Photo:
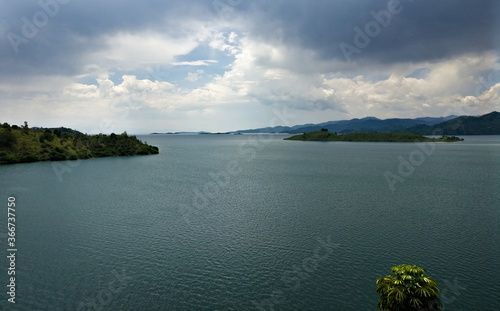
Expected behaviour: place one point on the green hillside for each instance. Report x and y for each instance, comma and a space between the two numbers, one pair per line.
324, 135
488, 124
23, 144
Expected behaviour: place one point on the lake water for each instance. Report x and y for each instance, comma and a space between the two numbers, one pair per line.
248, 222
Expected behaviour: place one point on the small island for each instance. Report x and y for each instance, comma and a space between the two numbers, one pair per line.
24, 144
325, 135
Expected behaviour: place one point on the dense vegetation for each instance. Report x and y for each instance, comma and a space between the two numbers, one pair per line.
23, 144
325, 135
408, 290
488, 124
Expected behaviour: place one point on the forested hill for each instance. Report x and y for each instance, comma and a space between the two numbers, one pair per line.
488, 124
24, 144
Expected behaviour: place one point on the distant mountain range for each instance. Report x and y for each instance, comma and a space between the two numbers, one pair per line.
488, 124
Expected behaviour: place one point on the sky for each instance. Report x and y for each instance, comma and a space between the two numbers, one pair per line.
227, 65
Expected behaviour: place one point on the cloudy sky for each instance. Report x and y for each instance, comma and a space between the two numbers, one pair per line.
223, 65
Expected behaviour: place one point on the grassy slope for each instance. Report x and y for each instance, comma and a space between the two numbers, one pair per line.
373, 137
29, 145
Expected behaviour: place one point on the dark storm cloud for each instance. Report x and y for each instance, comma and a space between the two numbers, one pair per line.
398, 31
421, 30
51, 36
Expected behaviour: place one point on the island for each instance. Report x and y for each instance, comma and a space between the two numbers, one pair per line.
325, 135
21, 144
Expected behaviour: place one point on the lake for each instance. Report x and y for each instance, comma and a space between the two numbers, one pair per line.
252, 222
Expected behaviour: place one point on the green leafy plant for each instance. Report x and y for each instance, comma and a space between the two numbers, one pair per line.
407, 290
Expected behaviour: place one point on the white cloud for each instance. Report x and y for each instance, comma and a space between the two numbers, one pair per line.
262, 72
263, 76
443, 90
130, 51
225, 42
195, 76
196, 63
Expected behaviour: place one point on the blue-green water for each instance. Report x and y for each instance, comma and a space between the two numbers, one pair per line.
251, 222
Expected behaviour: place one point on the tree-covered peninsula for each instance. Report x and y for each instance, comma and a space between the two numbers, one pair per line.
325, 135
24, 144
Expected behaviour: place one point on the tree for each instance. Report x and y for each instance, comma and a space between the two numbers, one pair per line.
47, 135
25, 127
57, 132
7, 138
408, 290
